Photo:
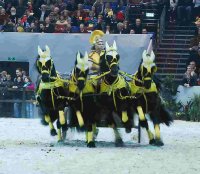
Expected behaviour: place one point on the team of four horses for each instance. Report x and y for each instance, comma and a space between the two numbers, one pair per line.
93, 99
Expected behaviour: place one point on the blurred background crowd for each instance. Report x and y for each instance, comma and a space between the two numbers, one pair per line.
83, 16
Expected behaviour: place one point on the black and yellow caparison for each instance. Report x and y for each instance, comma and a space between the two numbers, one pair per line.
112, 89
82, 89
49, 88
148, 100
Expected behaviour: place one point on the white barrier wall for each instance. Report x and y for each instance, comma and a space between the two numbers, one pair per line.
184, 94
23, 46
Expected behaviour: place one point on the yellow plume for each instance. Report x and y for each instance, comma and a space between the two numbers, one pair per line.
96, 34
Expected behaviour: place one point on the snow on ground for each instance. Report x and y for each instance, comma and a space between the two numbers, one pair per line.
27, 148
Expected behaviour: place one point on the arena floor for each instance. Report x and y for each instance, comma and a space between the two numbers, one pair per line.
27, 148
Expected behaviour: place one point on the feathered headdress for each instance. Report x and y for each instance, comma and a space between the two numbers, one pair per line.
44, 54
148, 57
96, 34
82, 63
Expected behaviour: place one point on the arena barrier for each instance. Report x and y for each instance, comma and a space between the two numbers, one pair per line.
23, 46
17, 99
184, 94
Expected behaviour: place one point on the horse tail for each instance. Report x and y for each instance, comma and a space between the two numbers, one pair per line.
165, 116
159, 113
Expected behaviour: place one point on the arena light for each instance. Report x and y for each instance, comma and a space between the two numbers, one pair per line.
150, 15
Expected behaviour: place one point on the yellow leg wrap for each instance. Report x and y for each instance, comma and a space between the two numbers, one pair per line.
150, 135
80, 118
59, 135
141, 113
62, 117
157, 131
51, 125
124, 116
90, 137
86, 136
94, 128
47, 118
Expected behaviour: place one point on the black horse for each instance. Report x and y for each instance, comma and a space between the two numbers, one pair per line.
113, 88
50, 87
148, 99
81, 90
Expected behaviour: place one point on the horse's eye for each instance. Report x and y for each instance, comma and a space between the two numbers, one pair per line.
87, 71
144, 70
109, 58
48, 63
77, 72
39, 64
117, 56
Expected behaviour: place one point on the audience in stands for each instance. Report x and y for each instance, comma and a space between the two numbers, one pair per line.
137, 26
108, 30
190, 77
184, 11
66, 16
20, 81
132, 31
195, 54
144, 31
196, 8
172, 10
29, 106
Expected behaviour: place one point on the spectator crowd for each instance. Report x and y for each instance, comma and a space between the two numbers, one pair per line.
11, 88
67, 16
192, 74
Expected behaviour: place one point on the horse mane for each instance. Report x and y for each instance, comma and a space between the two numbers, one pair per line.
139, 73
53, 71
36, 64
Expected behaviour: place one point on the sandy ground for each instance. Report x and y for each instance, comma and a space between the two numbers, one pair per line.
27, 148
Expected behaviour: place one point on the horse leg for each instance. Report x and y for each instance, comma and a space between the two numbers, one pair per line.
118, 140
90, 138
52, 129
144, 124
63, 123
95, 130
80, 118
158, 141
60, 140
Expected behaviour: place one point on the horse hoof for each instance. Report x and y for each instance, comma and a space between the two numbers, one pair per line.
96, 133
43, 122
152, 142
64, 134
60, 142
128, 130
119, 142
91, 144
128, 127
53, 132
159, 142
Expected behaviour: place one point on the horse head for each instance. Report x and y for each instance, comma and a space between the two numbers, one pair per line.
147, 68
81, 70
110, 60
45, 64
